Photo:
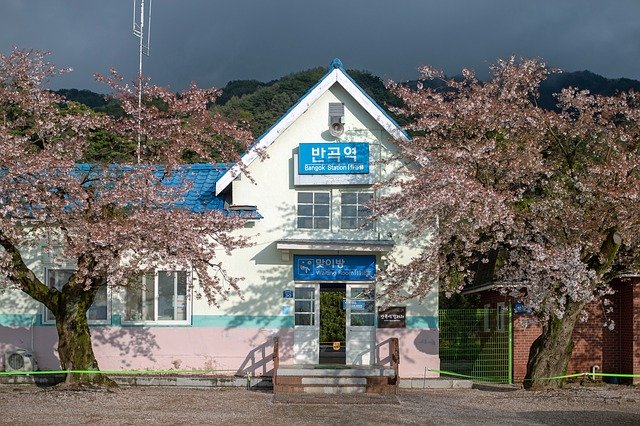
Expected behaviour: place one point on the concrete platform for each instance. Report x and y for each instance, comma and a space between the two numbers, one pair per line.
302, 370
217, 382
436, 383
149, 380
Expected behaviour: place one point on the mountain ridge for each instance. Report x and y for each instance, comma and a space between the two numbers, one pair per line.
260, 104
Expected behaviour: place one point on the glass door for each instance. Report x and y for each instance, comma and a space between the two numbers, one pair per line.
306, 344
361, 324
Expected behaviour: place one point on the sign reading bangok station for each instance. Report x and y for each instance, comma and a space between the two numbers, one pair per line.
333, 158
334, 268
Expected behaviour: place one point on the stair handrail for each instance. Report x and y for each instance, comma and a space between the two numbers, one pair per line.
395, 356
276, 359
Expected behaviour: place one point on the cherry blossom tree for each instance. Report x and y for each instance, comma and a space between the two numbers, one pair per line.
552, 196
115, 221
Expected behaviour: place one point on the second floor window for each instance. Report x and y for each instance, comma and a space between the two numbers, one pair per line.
354, 211
314, 210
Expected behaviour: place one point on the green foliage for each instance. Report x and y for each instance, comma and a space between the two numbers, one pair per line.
332, 316
111, 108
239, 88
582, 80
262, 104
105, 147
458, 301
259, 105
85, 97
262, 107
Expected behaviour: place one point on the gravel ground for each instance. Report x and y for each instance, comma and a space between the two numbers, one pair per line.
28, 404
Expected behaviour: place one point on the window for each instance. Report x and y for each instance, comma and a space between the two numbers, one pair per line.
354, 212
314, 210
159, 297
500, 317
363, 304
305, 309
97, 313
487, 317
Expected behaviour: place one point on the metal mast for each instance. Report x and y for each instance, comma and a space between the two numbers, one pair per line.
138, 31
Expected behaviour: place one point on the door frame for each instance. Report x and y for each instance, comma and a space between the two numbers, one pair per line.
307, 337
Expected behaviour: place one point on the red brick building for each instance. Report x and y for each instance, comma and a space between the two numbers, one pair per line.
613, 351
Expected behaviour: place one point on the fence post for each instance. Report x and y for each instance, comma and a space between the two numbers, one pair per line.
510, 344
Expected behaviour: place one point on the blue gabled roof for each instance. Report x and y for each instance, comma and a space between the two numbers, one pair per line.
200, 197
203, 177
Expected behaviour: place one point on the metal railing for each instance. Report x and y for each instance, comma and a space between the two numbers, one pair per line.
477, 343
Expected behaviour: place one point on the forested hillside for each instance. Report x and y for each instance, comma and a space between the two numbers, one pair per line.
583, 80
259, 105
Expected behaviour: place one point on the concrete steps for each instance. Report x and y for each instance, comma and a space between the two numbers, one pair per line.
339, 380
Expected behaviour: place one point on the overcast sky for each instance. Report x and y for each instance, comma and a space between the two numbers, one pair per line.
214, 41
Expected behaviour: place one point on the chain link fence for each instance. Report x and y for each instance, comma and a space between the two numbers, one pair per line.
477, 343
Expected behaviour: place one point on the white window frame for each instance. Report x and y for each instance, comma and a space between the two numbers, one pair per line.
313, 205
156, 320
357, 206
315, 303
46, 312
368, 297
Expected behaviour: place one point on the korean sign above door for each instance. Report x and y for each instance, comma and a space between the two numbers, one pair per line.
333, 158
334, 268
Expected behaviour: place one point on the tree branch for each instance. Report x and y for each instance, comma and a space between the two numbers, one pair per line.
602, 262
25, 279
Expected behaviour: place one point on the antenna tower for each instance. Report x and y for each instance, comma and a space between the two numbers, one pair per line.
145, 46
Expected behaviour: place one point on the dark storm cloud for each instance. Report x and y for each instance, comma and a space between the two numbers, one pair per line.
214, 41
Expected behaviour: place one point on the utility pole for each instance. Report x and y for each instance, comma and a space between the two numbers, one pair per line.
145, 45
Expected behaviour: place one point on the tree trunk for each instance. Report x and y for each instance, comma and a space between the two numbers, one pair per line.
550, 353
74, 337
69, 307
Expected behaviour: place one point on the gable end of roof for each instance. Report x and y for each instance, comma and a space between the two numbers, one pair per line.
335, 74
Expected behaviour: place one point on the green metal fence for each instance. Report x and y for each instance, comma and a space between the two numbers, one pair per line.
477, 343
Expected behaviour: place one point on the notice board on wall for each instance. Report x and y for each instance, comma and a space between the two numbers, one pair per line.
392, 317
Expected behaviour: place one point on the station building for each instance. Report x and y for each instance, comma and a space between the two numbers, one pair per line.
309, 279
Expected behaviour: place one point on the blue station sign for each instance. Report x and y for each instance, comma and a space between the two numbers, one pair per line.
334, 268
333, 158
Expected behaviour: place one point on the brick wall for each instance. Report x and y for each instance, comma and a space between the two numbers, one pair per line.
629, 328
614, 351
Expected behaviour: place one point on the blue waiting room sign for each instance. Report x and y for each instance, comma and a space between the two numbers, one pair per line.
334, 268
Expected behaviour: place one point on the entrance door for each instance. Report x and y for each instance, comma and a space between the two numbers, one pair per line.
307, 324
332, 323
361, 326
